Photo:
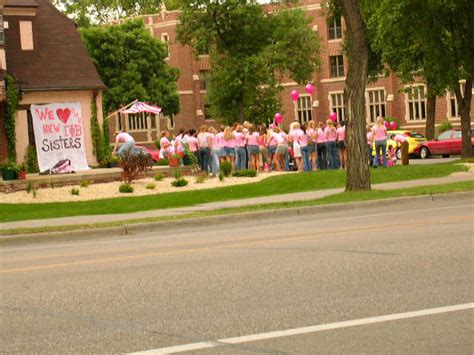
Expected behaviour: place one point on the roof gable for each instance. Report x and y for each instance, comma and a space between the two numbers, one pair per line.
59, 60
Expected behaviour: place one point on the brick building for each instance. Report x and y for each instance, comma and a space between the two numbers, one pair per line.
383, 97
3, 68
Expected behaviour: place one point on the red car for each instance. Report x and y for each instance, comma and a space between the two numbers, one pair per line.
154, 153
448, 143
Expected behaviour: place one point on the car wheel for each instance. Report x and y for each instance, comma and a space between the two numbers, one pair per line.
399, 154
424, 153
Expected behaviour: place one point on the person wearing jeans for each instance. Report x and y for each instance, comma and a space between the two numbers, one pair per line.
240, 151
321, 147
380, 137
205, 143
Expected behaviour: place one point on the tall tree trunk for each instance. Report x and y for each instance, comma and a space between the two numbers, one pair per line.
358, 174
464, 105
430, 115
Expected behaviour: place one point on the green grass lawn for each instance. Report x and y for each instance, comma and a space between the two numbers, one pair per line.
270, 186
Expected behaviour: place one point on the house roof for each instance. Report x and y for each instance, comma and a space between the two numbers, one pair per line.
21, 3
59, 60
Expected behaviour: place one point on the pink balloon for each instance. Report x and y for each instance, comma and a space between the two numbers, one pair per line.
393, 125
310, 89
333, 116
387, 125
278, 118
295, 95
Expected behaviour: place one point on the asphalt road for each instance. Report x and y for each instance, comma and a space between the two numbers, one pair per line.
205, 285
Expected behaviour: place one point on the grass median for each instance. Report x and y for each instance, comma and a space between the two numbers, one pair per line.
274, 185
347, 197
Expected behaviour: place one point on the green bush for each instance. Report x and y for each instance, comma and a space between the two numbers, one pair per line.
159, 177
226, 168
134, 164
31, 160
150, 186
221, 176
245, 173
74, 191
179, 182
444, 126
200, 179
176, 174
86, 183
163, 162
125, 188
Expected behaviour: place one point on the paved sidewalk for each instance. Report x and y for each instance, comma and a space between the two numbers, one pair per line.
300, 196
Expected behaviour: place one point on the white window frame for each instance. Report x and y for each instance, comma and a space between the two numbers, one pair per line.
417, 103
165, 38
339, 109
204, 78
335, 31
376, 104
452, 99
338, 66
307, 111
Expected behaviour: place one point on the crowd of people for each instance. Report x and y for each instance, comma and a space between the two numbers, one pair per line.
304, 148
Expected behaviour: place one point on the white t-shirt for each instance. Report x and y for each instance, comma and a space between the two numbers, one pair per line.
124, 137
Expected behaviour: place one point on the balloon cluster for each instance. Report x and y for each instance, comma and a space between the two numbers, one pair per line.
295, 95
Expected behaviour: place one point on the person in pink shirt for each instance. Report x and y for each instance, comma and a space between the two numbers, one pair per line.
229, 146
205, 145
370, 140
380, 137
281, 148
331, 145
166, 149
321, 147
220, 143
341, 142
311, 133
215, 151
294, 138
192, 143
253, 148
178, 142
263, 148
240, 152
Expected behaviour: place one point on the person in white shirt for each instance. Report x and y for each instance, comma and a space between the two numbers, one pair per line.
126, 139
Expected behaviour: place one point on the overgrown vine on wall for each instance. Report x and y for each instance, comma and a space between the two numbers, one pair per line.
96, 133
13, 97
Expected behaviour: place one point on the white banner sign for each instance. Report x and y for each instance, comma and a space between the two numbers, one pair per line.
59, 137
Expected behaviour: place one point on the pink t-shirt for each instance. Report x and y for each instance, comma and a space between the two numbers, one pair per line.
214, 141
320, 136
284, 136
192, 143
178, 143
203, 139
370, 137
277, 139
229, 143
330, 134
380, 133
253, 138
341, 134
399, 138
239, 139
165, 144
295, 135
220, 139
124, 137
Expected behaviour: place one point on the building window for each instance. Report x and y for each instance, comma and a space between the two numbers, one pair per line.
137, 122
335, 28
337, 66
416, 103
166, 40
26, 35
376, 104
304, 109
337, 105
204, 77
453, 107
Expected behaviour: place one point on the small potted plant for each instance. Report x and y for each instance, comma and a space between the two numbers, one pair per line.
174, 160
21, 171
9, 170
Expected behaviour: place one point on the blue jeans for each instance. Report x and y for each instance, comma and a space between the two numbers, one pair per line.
240, 158
205, 161
214, 164
126, 147
380, 146
306, 156
322, 156
333, 153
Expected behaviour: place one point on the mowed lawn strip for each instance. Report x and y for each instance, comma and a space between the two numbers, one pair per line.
273, 185
349, 197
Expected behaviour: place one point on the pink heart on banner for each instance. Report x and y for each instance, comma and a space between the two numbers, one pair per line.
63, 115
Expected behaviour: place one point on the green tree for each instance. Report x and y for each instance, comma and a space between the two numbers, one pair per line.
132, 65
251, 52
433, 40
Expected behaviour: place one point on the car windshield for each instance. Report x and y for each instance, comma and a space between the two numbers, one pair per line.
457, 134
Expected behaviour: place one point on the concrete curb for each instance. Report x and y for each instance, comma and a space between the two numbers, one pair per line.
164, 226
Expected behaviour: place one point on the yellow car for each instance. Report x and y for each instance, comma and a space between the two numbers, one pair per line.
413, 139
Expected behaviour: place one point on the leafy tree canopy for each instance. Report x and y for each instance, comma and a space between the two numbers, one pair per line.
251, 52
132, 65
